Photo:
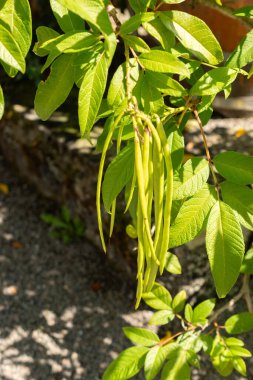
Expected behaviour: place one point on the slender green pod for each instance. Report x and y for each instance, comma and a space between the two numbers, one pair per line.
114, 203
168, 194
131, 192
112, 221
139, 291
100, 176
141, 253
141, 190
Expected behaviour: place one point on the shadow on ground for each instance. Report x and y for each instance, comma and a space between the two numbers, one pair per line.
62, 307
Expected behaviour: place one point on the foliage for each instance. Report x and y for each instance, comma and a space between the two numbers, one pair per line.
64, 227
148, 102
174, 355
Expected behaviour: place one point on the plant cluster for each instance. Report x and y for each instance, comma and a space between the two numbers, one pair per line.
145, 109
64, 227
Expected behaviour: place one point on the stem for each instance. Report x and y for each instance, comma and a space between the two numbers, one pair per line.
184, 112
165, 341
208, 155
112, 11
128, 89
137, 58
246, 294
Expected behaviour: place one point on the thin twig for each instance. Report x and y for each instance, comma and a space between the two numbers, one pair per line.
208, 155
186, 108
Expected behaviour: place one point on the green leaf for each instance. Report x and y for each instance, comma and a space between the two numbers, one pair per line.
118, 174
55, 90
240, 366
162, 317
240, 351
223, 365
1, 103
133, 23
142, 337
225, 247
190, 178
163, 62
243, 53
158, 298
92, 11
234, 342
202, 311
139, 5
172, 264
127, 364
10, 52
67, 20
177, 367
16, 17
214, 81
194, 35
71, 42
240, 199
154, 362
191, 218
178, 302
235, 167
247, 265
117, 89
44, 34
91, 94
165, 84
136, 43
188, 312
239, 323
151, 98
157, 30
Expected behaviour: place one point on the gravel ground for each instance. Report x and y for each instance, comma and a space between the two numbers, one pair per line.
62, 307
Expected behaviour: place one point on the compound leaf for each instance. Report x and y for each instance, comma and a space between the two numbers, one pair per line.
225, 247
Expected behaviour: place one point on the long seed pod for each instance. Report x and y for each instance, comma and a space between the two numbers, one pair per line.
114, 203
141, 253
141, 190
168, 195
145, 165
100, 176
131, 192
158, 186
